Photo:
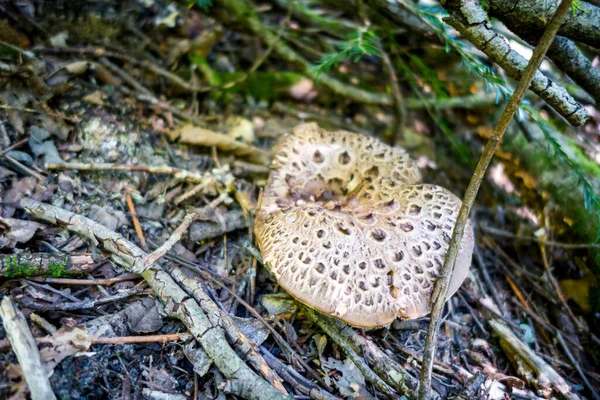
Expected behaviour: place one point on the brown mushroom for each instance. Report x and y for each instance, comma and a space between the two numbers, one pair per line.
348, 229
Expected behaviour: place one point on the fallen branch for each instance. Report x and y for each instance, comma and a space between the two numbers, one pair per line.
25, 347
117, 340
358, 361
26, 265
179, 174
177, 302
392, 373
581, 25
518, 352
440, 289
472, 22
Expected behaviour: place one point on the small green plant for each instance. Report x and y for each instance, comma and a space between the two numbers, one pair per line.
576, 6
362, 42
18, 269
57, 269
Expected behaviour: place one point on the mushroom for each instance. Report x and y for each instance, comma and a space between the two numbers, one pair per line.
347, 227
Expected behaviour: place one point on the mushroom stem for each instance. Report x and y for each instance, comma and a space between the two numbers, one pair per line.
438, 296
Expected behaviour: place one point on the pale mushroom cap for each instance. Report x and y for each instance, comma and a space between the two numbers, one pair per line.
347, 229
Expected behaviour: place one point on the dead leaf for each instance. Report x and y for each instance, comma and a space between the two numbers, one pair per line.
527, 178
40, 146
13, 231
109, 217
96, 98
201, 362
68, 71
577, 290
204, 137
253, 329
149, 321
240, 129
351, 379
64, 343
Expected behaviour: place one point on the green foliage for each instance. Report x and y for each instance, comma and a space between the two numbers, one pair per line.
576, 6
362, 42
555, 149
57, 269
16, 269
432, 16
428, 75
203, 4
463, 151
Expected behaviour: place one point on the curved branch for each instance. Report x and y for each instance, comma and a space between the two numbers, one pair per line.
581, 25
563, 51
472, 22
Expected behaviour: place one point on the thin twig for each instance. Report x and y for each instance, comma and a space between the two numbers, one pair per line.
550, 243
577, 367
557, 289
87, 282
177, 173
173, 239
117, 340
25, 168
14, 146
136, 222
441, 286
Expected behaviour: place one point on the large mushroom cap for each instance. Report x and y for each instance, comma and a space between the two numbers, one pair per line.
347, 228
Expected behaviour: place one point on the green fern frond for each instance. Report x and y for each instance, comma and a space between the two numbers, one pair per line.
591, 201
363, 42
203, 4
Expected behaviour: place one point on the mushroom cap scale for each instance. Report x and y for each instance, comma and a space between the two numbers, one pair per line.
347, 228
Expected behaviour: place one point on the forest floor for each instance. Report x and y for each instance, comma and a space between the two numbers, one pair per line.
134, 125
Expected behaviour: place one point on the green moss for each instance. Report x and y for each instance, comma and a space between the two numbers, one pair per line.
582, 159
95, 29
57, 269
16, 269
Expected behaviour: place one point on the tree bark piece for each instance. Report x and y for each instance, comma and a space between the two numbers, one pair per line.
563, 51
25, 347
472, 22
